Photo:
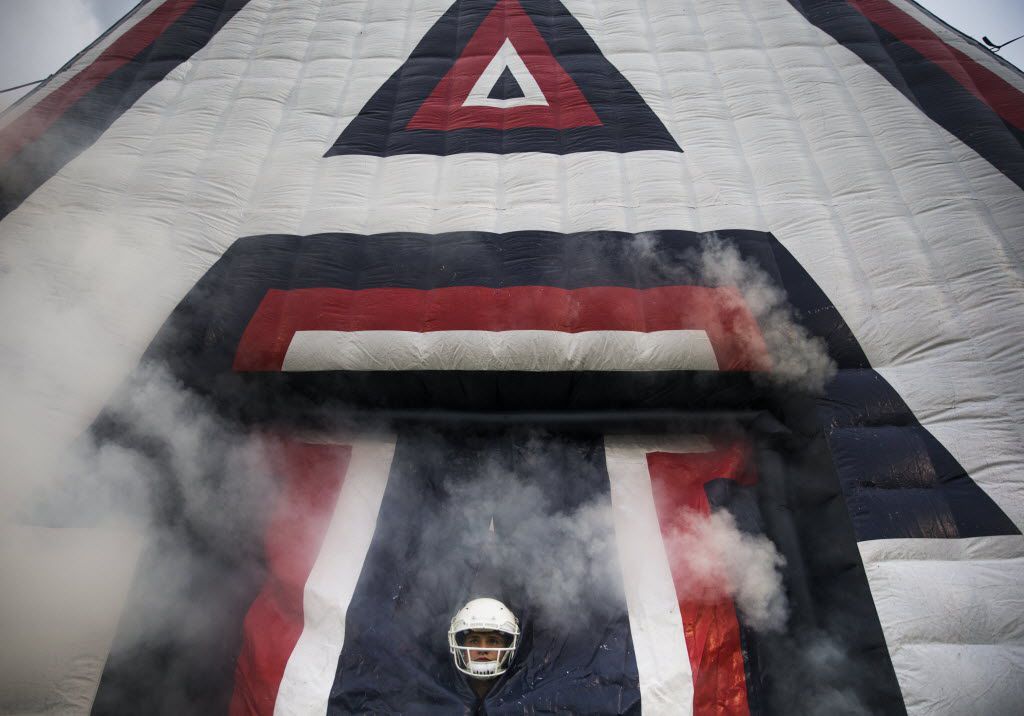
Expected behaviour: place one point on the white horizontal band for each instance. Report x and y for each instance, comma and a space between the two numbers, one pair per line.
527, 350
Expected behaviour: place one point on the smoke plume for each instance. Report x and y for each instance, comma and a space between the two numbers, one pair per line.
721, 562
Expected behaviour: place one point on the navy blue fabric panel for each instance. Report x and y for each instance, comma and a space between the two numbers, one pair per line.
902, 476
432, 551
740, 500
927, 85
506, 87
796, 504
898, 480
199, 342
628, 124
254, 265
315, 396
205, 332
826, 589
83, 123
861, 398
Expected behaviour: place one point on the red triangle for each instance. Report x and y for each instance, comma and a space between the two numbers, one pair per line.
567, 108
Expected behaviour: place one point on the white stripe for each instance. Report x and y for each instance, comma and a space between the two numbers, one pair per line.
500, 350
506, 57
662, 659
952, 611
309, 674
968, 548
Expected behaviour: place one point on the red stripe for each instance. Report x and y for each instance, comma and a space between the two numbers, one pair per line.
721, 312
36, 120
711, 627
444, 109
1005, 99
313, 476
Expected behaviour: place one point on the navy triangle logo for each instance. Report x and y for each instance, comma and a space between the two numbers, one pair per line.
504, 76
506, 87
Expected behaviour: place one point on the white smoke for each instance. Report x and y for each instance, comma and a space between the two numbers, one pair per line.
565, 561
562, 561
798, 358
828, 679
721, 562
165, 437
156, 509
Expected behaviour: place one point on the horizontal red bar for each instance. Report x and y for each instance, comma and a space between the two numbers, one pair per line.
720, 312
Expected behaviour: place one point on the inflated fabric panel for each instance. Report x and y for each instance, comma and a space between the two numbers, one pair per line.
508, 214
953, 610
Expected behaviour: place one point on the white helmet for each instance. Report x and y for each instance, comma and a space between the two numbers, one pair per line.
483, 615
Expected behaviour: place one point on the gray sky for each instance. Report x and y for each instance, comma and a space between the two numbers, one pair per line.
38, 36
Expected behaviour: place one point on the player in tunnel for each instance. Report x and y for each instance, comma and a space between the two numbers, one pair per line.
483, 639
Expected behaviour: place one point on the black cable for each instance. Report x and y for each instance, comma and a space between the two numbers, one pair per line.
27, 84
997, 48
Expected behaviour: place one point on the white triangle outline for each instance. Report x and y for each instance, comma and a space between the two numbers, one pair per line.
506, 56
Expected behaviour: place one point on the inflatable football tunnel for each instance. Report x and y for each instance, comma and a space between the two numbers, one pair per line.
689, 330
